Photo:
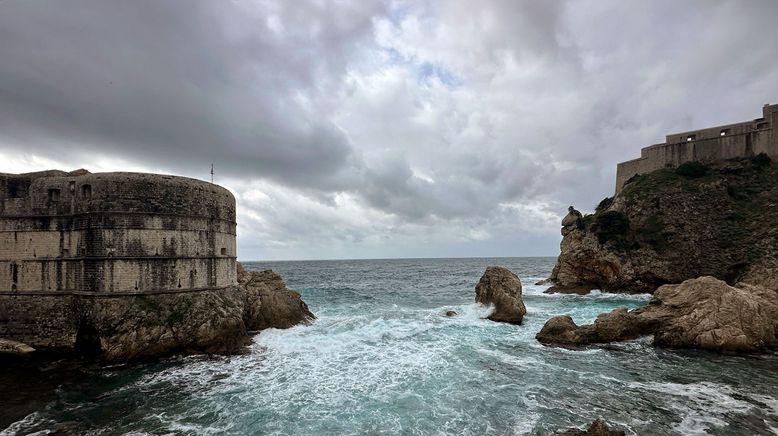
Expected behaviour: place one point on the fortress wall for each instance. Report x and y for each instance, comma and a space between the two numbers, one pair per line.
706, 145
114, 242
128, 275
46, 321
114, 232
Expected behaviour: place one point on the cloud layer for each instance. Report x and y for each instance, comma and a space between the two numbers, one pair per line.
378, 128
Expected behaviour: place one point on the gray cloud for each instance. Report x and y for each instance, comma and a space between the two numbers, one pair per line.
373, 128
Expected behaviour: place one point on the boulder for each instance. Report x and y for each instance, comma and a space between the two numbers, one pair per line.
597, 428
709, 314
617, 325
15, 348
704, 313
269, 303
451, 313
571, 218
502, 288
561, 330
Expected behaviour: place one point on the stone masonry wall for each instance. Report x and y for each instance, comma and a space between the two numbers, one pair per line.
66, 236
706, 145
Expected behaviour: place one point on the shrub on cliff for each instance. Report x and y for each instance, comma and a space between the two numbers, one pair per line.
692, 170
761, 160
604, 204
612, 227
653, 233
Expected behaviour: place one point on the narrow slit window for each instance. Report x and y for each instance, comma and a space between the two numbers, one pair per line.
224, 251
86, 192
14, 273
53, 195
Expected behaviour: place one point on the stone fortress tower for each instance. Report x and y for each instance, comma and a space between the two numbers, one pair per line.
69, 241
111, 233
706, 145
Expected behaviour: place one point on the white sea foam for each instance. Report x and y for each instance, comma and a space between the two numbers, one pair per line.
703, 405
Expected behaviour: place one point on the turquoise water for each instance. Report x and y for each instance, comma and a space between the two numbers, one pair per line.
382, 359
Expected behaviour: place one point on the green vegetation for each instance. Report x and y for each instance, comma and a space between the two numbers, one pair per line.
604, 204
761, 160
692, 170
654, 234
612, 227
725, 209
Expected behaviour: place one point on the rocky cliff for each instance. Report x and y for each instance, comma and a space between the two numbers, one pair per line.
676, 224
125, 328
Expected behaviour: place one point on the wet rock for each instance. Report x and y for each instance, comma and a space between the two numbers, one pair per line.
704, 313
597, 428
709, 314
502, 288
269, 303
617, 325
15, 348
151, 326
561, 330
450, 313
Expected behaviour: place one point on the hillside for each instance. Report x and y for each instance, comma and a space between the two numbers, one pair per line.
675, 224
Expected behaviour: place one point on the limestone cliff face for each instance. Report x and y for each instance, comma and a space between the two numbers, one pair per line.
676, 224
131, 327
268, 303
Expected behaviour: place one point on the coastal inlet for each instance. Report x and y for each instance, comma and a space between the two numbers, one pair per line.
382, 357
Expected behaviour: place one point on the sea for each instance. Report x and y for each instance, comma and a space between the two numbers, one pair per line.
382, 358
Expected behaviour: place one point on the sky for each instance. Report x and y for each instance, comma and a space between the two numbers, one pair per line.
378, 129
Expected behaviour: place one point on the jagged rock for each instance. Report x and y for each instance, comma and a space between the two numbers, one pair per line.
450, 313
15, 348
572, 217
597, 428
703, 313
502, 288
269, 303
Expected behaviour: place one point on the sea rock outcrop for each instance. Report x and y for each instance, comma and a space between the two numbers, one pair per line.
673, 225
149, 326
502, 288
597, 428
268, 302
145, 327
704, 313
213, 322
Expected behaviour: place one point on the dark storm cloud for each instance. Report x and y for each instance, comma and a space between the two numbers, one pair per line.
183, 82
351, 128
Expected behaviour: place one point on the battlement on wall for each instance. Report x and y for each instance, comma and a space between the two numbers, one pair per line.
64, 233
710, 144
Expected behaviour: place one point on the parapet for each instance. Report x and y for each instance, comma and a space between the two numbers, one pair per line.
710, 144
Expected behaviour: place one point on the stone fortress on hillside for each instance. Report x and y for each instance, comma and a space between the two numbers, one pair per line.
706, 145
128, 264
